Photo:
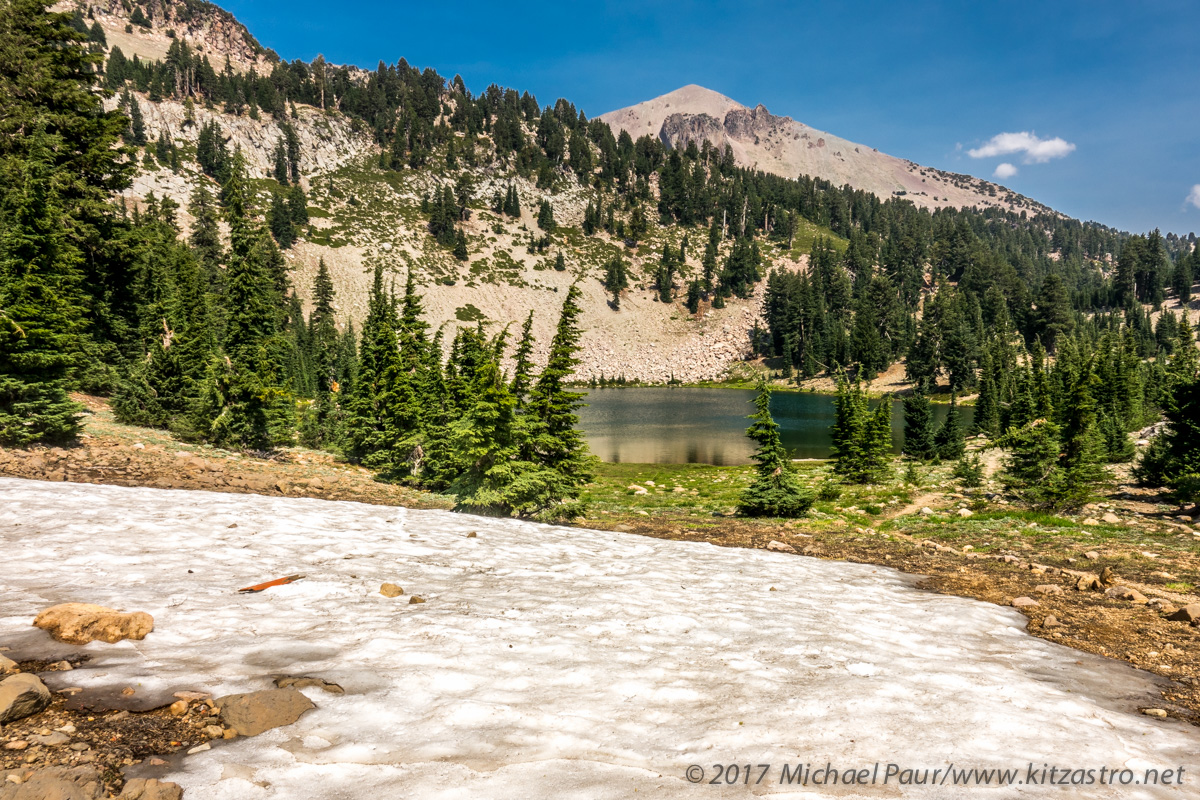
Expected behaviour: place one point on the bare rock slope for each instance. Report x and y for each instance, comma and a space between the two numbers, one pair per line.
784, 146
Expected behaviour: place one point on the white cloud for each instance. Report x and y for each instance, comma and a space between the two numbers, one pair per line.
1004, 170
1194, 197
1035, 150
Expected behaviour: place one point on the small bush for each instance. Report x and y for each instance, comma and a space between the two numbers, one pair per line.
969, 471
828, 491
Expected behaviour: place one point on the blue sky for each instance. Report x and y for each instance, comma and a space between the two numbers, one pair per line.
930, 81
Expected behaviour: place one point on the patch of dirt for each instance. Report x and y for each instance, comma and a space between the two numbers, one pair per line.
108, 741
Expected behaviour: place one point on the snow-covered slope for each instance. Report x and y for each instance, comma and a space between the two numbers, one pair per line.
556, 662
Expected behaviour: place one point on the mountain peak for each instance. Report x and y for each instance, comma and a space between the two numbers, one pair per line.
787, 147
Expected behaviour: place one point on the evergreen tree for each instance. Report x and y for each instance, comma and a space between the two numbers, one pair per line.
523, 368
365, 434
545, 217
950, 439
39, 323
555, 442
987, 406
918, 426
776, 491
693, 296
460, 246
242, 404
616, 280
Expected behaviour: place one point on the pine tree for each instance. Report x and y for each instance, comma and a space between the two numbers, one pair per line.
693, 296
616, 280
918, 426
776, 491
523, 368
545, 217
242, 403
365, 432
987, 405
555, 442
950, 439
39, 322
460, 246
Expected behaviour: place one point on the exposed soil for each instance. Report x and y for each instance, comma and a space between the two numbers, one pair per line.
106, 740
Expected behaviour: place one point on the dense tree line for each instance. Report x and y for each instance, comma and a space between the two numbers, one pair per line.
206, 336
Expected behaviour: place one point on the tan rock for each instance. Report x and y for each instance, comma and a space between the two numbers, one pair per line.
7, 665
1048, 588
57, 783
415, 599
178, 708
80, 623
22, 695
1154, 712
1024, 602
781, 547
1189, 613
252, 713
151, 789
390, 590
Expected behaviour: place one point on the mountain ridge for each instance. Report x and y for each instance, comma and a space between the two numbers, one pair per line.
789, 148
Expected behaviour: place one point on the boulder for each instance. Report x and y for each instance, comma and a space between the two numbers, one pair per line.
781, 547
390, 590
254, 712
151, 789
1048, 588
55, 783
1111, 518
1189, 613
22, 695
80, 623
1125, 593
965, 513
1024, 602
7, 665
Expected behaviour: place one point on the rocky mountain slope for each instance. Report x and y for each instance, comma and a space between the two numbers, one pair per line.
784, 146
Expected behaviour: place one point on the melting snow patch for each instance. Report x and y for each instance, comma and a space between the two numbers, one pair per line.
557, 662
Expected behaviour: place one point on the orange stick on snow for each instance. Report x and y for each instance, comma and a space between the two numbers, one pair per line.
269, 584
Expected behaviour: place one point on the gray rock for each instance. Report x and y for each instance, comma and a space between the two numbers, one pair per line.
1125, 593
22, 695
252, 713
54, 739
54, 783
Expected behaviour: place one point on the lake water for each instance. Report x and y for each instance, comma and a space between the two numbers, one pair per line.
708, 426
